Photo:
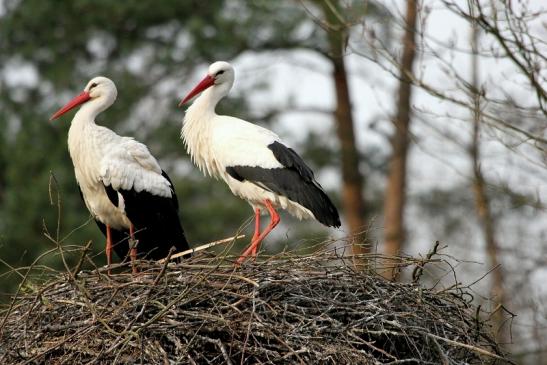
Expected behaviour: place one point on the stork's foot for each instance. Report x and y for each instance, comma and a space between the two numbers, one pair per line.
259, 237
249, 251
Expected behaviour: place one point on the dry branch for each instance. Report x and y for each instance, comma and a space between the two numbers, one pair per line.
203, 247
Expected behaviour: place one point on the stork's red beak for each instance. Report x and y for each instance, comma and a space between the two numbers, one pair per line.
208, 81
80, 99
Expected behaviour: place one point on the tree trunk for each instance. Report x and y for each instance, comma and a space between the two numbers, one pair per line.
352, 179
354, 206
395, 196
482, 202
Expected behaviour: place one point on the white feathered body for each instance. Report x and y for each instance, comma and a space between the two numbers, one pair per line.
215, 142
100, 158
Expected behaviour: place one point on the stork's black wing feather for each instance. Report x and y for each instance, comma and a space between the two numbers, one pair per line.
112, 194
291, 160
174, 196
156, 221
295, 181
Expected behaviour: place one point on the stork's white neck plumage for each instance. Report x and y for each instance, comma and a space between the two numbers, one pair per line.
83, 128
198, 124
87, 141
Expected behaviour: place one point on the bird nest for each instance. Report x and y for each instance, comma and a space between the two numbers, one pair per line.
314, 309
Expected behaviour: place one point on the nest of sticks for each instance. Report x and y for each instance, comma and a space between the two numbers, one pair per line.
313, 309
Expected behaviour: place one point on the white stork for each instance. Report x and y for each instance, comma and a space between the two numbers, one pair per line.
253, 161
120, 182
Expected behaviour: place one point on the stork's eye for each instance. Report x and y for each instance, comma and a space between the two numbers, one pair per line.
220, 72
92, 85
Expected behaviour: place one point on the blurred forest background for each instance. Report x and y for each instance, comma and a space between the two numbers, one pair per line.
424, 120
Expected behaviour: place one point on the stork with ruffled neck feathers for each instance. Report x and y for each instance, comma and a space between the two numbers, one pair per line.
121, 183
253, 161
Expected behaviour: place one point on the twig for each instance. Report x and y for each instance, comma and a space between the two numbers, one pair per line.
467, 346
82, 259
418, 270
202, 247
221, 346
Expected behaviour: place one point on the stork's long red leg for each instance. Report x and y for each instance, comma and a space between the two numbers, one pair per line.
133, 248
108, 249
274, 221
257, 230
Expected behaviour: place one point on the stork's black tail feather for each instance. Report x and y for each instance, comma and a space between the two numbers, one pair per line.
297, 182
317, 201
156, 222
